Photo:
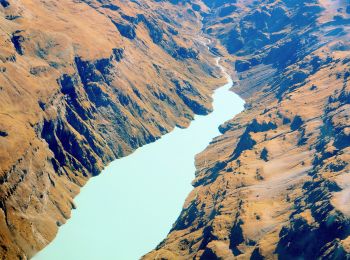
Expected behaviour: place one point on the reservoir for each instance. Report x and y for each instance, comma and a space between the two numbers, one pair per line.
126, 211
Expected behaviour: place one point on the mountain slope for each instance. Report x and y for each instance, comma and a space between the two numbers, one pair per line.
275, 184
83, 83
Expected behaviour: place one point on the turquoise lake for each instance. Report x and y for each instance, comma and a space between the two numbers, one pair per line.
126, 211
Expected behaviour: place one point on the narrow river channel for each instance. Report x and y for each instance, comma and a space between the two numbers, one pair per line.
126, 211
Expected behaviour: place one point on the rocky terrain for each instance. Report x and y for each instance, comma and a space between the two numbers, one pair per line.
85, 82
81, 84
275, 184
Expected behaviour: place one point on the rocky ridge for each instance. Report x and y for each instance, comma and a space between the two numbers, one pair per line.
274, 185
83, 83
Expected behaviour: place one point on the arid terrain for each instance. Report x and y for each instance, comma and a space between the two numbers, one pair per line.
85, 82
277, 183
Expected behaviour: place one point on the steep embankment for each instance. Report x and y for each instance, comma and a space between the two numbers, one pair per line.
276, 183
83, 83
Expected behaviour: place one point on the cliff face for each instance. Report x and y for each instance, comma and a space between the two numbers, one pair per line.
275, 184
83, 83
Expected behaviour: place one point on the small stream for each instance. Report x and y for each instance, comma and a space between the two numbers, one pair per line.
127, 211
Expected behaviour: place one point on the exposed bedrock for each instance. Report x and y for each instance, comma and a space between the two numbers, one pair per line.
275, 183
78, 91
85, 82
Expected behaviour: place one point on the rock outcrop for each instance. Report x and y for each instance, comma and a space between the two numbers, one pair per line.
85, 82
278, 188
81, 84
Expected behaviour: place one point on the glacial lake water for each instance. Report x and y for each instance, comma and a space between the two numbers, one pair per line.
129, 209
